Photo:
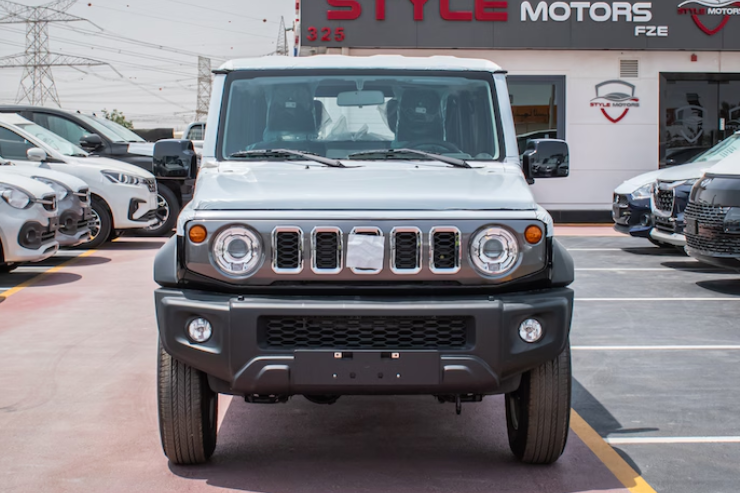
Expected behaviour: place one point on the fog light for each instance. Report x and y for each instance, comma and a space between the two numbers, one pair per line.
200, 330
530, 330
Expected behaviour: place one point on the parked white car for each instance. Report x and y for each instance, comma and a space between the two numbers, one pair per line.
123, 196
73, 201
28, 220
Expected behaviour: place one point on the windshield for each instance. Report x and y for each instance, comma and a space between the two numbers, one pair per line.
720, 151
52, 140
111, 130
339, 115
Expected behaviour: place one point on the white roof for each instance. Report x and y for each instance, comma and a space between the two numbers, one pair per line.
355, 62
13, 119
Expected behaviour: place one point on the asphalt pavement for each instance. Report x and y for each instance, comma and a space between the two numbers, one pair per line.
656, 353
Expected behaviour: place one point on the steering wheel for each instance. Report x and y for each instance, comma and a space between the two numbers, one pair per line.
435, 146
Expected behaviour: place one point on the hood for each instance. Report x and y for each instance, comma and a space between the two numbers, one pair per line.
33, 187
370, 186
633, 184
71, 182
729, 166
103, 163
691, 171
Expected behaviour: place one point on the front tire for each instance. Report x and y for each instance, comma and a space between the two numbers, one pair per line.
168, 208
102, 225
538, 413
188, 411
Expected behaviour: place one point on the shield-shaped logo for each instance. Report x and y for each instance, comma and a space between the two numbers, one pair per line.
615, 98
690, 119
701, 8
733, 119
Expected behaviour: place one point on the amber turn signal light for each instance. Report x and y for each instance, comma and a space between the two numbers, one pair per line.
198, 234
533, 235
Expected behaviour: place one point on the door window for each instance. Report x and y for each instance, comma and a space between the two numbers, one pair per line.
538, 103
13, 146
66, 129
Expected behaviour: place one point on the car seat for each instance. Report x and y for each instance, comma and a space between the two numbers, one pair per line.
420, 116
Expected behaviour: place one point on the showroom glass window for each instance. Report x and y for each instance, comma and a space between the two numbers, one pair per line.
337, 114
538, 103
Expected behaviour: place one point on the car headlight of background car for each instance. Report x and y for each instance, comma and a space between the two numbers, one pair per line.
494, 251
60, 190
237, 251
15, 197
123, 178
644, 192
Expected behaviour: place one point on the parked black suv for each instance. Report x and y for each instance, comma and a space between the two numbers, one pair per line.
103, 137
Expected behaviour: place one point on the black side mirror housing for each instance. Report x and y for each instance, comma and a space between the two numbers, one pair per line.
546, 158
91, 142
174, 158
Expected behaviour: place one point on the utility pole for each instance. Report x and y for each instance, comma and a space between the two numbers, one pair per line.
281, 48
37, 83
204, 88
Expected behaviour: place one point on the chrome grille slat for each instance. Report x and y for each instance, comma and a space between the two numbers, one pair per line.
287, 247
445, 253
369, 231
326, 250
406, 245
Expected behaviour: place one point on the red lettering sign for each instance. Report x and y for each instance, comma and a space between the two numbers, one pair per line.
354, 12
380, 10
419, 9
449, 15
483, 11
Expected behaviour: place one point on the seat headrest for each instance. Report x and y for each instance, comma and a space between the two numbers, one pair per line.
420, 116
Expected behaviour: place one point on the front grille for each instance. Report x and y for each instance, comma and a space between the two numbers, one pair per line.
406, 246
288, 250
83, 195
664, 200
711, 237
49, 202
47, 236
445, 253
664, 224
327, 250
365, 332
152, 185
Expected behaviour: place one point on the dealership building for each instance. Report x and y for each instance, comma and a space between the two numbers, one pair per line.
629, 85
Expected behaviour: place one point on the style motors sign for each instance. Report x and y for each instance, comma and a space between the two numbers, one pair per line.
580, 11
701, 10
615, 98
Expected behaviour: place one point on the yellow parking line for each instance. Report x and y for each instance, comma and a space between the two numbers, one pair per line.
606, 454
10, 292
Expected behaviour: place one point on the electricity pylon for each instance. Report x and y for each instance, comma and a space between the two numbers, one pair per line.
204, 88
37, 83
281, 48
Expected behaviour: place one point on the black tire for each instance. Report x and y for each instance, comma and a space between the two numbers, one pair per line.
188, 412
659, 244
6, 268
538, 413
167, 211
100, 233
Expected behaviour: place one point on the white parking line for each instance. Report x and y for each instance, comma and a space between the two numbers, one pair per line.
668, 440
657, 299
657, 348
594, 249
647, 269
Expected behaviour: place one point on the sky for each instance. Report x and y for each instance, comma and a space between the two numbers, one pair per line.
150, 48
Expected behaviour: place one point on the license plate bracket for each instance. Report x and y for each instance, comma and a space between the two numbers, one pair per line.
364, 368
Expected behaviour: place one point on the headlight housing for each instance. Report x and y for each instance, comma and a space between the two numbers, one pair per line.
494, 251
123, 178
643, 192
60, 190
237, 251
15, 197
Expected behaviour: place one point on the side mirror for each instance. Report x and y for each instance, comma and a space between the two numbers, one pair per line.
546, 158
91, 142
175, 159
36, 155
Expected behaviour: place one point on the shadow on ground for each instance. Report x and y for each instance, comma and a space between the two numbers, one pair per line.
655, 252
381, 444
729, 287
125, 244
696, 267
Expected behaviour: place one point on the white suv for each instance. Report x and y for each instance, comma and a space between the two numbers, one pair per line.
123, 196
28, 220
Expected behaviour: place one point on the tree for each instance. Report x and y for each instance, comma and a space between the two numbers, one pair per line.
118, 117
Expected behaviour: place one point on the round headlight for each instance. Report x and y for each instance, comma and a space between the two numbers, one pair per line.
237, 251
494, 251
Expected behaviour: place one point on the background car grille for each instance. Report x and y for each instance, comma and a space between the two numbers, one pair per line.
406, 256
327, 250
664, 200
49, 202
446, 247
664, 224
364, 332
712, 238
288, 250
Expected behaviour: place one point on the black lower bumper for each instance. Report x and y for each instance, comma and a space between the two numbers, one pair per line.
242, 359
724, 262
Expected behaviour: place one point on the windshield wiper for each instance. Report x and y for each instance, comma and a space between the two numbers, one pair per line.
284, 153
395, 153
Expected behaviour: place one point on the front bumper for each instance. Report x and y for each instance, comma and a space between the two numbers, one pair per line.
240, 360
674, 239
74, 226
632, 216
133, 207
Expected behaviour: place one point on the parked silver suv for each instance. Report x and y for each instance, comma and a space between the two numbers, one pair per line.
364, 226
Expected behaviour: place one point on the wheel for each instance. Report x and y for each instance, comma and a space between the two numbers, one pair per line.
659, 244
188, 411
168, 208
538, 413
6, 268
102, 225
